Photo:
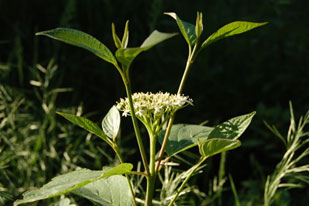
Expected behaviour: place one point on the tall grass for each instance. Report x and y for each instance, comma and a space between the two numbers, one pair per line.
291, 171
34, 144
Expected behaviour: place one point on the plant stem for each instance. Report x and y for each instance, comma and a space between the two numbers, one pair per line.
136, 128
152, 176
167, 134
115, 147
185, 73
221, 175
189, 63
193, 169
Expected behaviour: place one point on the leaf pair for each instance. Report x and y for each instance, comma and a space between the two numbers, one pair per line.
123, 54
192, 33
125, 38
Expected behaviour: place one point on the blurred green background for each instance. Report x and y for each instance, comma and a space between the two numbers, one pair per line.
257, 71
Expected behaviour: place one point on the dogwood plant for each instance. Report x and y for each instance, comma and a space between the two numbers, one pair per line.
113, 185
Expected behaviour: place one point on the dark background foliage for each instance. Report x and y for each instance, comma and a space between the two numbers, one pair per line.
260, 70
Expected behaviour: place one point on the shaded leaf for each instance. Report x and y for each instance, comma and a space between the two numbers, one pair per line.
187, 29
126, 55
233, 128
112, 191
111, 123
81, 39
68, 182
231, 29
86, 124
211, 147
183, 137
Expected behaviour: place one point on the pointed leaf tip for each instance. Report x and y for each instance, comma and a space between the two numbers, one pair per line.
187, 29
232, 128
81, 39
234, 28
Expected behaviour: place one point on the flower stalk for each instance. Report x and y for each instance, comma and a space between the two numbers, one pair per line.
153, 110
191, 57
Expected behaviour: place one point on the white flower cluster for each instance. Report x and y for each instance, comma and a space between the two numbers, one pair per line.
154, 109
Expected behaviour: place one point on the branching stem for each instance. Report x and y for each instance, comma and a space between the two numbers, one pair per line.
190, 60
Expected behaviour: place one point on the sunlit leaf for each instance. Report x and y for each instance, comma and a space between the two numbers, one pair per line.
233, 128
86, 124
125, 37
211, 147
115, 37
183, 137
187, 29
231, 29
71, 181
112, 191
81, 39
111, 123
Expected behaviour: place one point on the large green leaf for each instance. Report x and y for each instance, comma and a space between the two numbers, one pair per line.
86, 124
233, 128
112, 191
126, 55
211, 147
68, 182
187, 30
231, 29
183, 137
111, 123
81, 39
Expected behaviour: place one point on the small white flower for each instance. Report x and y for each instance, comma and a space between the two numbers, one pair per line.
139, 113
125, 113
154, 108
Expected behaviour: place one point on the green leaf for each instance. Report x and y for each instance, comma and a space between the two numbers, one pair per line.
112, 191
211, 147
187, 29
199, 24
71, 181
81, 39
125, 37
233, 128
126, 55
87, 125
111, 123
115, 37
231, 29
183, 137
